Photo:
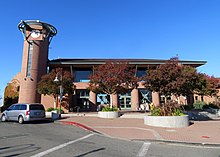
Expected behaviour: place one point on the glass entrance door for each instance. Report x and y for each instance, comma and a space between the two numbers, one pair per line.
125, 100
83, 100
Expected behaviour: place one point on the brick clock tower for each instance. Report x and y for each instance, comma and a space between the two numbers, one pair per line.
37, 37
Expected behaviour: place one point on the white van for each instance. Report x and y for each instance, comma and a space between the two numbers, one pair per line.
24, 112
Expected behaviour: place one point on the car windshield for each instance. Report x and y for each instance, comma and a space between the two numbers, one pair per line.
36, 107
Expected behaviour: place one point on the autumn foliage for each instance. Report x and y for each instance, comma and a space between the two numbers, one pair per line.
173, 78
113, 77
48, 86
207, 85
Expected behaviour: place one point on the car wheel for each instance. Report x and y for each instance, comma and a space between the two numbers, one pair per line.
20, 120
3, 118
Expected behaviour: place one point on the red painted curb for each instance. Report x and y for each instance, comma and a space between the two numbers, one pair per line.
77, 124
205, 137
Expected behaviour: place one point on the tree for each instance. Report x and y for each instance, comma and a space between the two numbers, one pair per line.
11, 90
186, 81
172, 78
207, 85
113, 77
47, 85
11, 94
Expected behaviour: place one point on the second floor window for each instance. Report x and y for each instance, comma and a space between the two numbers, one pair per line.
82, 75
141, 72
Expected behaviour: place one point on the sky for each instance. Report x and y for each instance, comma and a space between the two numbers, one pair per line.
143, 29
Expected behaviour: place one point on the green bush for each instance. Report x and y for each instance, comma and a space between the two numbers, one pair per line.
54, 109
155, 112
51, 109
199, 105
177, 112
108, 108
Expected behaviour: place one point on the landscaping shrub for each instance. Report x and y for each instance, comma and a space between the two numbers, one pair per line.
155, 112
108, 108
54, 109
168, 109
199, 105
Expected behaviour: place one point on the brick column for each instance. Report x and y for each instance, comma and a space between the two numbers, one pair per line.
156, 98
92, 101
134, 99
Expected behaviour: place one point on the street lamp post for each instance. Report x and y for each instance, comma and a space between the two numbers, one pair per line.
61, 92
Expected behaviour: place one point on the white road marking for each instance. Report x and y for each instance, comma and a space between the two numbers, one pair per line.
61, 146
143, 151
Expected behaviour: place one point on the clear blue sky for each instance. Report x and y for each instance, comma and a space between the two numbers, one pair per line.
149, 29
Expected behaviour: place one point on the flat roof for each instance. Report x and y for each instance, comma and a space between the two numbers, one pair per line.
140, 62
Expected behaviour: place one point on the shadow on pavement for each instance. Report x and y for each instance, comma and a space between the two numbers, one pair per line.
48, 120
84, 154
199, 115
17, 150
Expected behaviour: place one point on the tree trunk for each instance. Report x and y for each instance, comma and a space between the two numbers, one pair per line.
111, 101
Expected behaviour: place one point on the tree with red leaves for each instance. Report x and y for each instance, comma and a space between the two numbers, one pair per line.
172, 78
113, 77
207, 85
48, 86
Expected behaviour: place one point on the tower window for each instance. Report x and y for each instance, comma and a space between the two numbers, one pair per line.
29, 61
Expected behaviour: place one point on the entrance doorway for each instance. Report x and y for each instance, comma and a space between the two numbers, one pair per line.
83, 100
125, 100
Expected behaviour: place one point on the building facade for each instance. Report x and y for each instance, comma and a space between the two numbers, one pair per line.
86, 100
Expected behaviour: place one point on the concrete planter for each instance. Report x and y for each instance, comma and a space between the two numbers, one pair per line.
167, 121
109, 114
54, 115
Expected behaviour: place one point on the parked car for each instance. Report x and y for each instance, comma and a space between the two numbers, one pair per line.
24, 112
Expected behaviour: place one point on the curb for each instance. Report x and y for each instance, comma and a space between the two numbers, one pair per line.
150, 140
79, 125
182, 143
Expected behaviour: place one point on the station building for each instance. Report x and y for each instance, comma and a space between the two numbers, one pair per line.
37, 37
132, 100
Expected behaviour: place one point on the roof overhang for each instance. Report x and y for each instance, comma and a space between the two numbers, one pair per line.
138, 62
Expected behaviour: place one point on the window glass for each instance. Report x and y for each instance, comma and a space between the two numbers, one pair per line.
82, 75
23, 107
145, 96
141, 72
125, 100
103, 99
84, 93
36, 107
162, 98
29, 62
17, 107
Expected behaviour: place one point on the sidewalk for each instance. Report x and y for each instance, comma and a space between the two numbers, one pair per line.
132, 127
